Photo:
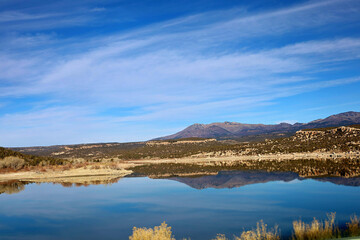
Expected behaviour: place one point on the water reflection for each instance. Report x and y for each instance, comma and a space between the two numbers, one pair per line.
11, 187
15, 186
110, 210
223, 179
234, 179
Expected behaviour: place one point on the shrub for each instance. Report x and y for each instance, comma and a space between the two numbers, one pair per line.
12, 162
220, 237
162, 232
260, 233
354, 226
316, 230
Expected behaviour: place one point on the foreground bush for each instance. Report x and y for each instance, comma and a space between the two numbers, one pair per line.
354, 226
260, 233
220, 237
162, 232
316, 230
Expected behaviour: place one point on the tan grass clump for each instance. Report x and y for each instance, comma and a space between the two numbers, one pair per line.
220, 237
317, 230
354, 226
260, 233
162, 232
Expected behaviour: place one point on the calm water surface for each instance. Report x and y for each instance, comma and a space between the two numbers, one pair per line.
194, 207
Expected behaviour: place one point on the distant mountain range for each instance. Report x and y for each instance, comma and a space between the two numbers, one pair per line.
234, 130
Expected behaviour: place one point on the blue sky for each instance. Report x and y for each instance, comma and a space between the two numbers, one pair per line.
100, 71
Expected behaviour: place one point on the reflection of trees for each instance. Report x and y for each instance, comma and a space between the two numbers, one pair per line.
304, 167
83, 182
12, 187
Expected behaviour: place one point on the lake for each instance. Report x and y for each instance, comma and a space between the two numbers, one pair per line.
196, 207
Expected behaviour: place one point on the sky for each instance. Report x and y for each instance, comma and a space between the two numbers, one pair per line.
85, 71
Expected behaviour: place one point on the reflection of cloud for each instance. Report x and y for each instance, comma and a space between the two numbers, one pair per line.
98, 9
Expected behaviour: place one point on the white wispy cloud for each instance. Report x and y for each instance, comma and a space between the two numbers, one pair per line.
12, 16
183, 68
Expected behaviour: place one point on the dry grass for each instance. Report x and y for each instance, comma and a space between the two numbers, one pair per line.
260, 233
162, 232
220, 237
317, 230
354, 226
95, 167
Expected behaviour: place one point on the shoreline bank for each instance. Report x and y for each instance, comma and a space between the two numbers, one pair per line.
61, 176
123, 168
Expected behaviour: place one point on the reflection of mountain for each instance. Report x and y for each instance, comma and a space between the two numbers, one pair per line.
224, 179
232, 179
355, 182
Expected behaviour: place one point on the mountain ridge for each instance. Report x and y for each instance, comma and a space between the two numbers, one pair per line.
234, 130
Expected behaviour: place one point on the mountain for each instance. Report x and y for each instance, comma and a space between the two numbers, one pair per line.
342, 119
234, 130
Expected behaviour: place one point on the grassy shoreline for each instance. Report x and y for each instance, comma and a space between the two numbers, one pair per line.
189, 167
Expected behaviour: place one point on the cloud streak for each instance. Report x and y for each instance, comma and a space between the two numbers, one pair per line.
201, 66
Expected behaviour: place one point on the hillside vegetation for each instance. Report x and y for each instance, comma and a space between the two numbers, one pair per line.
343, 139
339, 139
10, 159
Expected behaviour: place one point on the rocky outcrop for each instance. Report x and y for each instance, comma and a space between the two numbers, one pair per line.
342, 131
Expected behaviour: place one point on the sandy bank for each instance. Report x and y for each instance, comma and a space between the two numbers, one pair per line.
66, 175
